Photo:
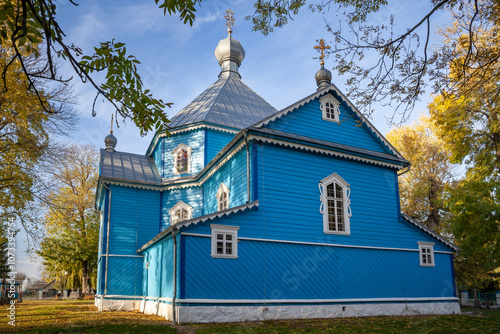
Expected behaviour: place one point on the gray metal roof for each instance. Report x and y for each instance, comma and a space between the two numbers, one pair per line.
227, 102
128, 166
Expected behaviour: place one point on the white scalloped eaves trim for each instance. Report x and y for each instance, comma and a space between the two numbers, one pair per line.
187, 129
321, 150
182, 185
428, 231
228, 212
302, 102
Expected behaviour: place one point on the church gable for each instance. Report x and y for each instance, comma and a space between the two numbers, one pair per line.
329, 117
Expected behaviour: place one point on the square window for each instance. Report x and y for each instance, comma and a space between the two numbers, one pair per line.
224, 241
426, 254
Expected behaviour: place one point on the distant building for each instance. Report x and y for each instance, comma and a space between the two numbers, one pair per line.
244, 212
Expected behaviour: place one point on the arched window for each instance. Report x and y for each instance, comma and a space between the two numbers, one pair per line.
179, 212
330, 108
182, 159
335, 205
222, 197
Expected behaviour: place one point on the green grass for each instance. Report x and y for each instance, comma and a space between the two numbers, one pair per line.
64, 316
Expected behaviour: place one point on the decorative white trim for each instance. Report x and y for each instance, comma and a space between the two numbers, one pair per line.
335, 105
119, 296
119, 255
178, 184
426, 254
180, 206
187, 129
225, 231
313, 301
319, 93
346, 203
324, 151
223, 189
189, 152
428, 231
314, 243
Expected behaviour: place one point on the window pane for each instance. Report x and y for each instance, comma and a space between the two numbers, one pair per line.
338, 191
331, 218
229, 237
329, 190
220, 248
340, 208
220, 236
229, 248
332, 226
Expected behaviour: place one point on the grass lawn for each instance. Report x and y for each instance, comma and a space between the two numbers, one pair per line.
57, 316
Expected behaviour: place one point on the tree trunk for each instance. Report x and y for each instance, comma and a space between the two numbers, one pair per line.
477, 304
85, 278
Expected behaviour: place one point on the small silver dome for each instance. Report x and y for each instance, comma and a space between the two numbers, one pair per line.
323, 77
110, 142
229, 49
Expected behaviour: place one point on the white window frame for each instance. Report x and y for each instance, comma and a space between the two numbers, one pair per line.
225, 230
180, 206
330, 106
188, 150
223, 190
346, 209
426, 253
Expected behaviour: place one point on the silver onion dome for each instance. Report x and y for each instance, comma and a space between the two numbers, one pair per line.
229, 54
110, 142
323, 77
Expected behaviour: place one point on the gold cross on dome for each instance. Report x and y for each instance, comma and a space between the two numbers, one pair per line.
230, 20
322, 46
111, 131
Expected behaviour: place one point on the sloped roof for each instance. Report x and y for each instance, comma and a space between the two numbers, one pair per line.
129, 166
428, 231
227, 102
321, 92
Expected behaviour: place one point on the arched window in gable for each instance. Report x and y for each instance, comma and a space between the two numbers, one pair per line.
330, 108
335, 205
179, 212
222, 197
182, 159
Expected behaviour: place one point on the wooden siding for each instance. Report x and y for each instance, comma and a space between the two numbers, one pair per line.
234, 175
158, 280
266, 270
216, 141
135, 219
191, 196
125, 276
289, 202
193, 139
158, 154
307, 121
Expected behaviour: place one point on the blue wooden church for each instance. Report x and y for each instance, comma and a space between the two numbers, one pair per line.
243, 212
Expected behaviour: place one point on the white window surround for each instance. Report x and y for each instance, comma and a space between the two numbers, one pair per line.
426, 254
224, 241
330, 108
341, 214
179, 212
175, 157
222, 197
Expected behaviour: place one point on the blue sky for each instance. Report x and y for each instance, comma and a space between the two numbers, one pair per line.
178, 62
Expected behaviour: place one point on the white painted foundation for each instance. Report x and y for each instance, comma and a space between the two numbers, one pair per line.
188, 314
235, 313
117, 304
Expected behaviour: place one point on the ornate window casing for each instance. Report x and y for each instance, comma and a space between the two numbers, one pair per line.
182, 159
330, 108
224, 241
426, 254
179, 212
335, 205
222, 197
